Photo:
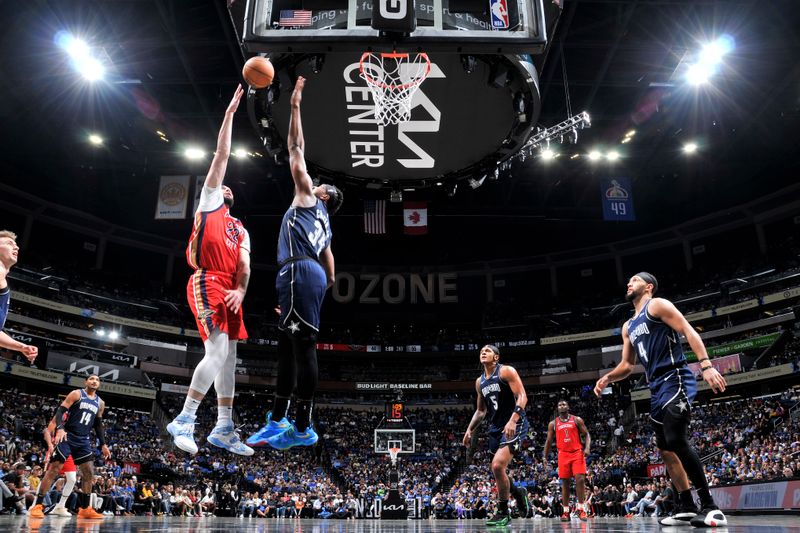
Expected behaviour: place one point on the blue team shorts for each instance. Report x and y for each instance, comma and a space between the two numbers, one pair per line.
497, 439
301, 287
677, 388
80, 449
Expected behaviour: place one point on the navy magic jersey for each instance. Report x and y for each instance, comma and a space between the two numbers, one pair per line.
5, 300
305, 231
656, 344
81, 415
498, 397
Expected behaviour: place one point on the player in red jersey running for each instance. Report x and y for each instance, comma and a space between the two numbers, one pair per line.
219, 253
568, 431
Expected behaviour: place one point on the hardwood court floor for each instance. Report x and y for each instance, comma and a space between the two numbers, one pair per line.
145, 524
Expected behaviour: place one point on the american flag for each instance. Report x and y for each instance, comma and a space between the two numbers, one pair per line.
295, 17
375, 216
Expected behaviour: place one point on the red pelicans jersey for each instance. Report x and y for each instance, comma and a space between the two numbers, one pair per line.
568, 439
216, 235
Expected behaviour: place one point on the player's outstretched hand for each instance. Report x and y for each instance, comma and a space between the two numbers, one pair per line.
601, 384
237, 97
715, 380
60, 436
467, 440
105, 452
510, 430
297, 94
30, 352
233, 299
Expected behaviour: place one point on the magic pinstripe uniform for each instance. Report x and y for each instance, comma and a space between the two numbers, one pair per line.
500, 403
672, 383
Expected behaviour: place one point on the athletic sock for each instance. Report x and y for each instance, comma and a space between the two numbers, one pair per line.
706, 500
303, 414
224, 415
686, 498
83, 500
502, 506
280, 406
39, 499
190, 407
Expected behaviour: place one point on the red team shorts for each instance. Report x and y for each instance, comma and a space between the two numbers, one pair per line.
206, 295
571, 464
69, 466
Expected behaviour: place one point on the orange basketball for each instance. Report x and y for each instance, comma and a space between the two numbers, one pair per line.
258, 72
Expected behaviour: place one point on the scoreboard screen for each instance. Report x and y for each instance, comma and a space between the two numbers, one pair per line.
395, 411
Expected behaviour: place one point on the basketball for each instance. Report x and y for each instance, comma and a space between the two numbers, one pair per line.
258, 72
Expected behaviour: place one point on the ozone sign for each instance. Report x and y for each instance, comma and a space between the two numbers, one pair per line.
395, 288
458, 120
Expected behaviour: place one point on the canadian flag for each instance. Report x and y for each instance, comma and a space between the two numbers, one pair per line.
415, 218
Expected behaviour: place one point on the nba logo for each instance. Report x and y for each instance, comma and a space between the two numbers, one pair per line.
499, 14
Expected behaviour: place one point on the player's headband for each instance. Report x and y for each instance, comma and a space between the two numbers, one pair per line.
649, 278
493, 348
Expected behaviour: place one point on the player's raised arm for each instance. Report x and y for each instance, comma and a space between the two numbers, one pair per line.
219, 164
623, 369
477, 417
666, 311
297, 160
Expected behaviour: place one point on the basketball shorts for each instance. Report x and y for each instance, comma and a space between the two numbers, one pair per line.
68, 466
497, 438
678, 388
571, 464
80, 450
206, 295
301, 287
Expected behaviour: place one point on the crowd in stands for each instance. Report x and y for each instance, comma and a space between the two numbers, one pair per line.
742, 440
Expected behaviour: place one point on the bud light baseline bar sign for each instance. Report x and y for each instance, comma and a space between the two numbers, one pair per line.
617, 197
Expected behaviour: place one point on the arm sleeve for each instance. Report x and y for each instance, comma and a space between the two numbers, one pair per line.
210, 199
246, 241
98, 430
60, 412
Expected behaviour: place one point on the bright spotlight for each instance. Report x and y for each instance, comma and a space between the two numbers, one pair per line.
613, 155
240, 153
76, 48
113, 335
194, 153
594, 155
699, 73
631, 133
548, 154
100, 332
90, 68
95, 139
713, 52
689, 148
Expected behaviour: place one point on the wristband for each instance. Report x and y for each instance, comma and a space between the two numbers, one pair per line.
707, 368
520, 411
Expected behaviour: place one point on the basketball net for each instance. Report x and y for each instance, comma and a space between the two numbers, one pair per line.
393, 79
393, 455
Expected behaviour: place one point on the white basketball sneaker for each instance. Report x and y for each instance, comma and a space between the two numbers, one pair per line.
182, 431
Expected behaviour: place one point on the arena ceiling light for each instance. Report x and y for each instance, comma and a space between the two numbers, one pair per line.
113, 335
82, 59
241, 153
709, 60
100, 332
612, 155
595, 155
689, 148
548, 154
194, 153
95, 139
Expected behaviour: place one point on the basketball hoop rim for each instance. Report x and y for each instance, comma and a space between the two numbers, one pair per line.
394, 55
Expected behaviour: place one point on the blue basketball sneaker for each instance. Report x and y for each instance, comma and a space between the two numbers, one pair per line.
292, 437
259, 438
227, 437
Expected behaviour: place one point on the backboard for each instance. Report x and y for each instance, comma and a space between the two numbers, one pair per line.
394, 438
477, 26
476, 108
